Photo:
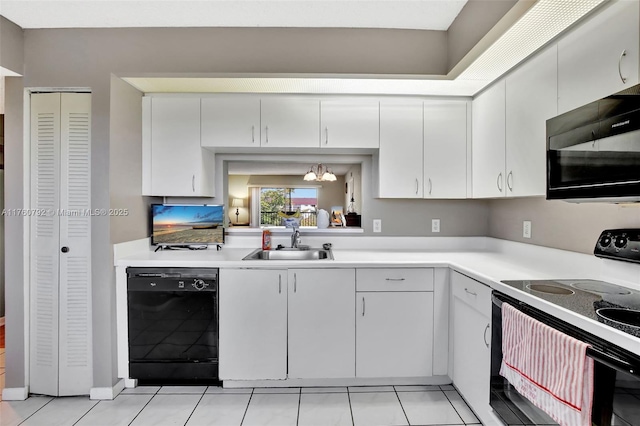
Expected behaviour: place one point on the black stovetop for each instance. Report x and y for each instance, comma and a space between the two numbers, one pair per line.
582, 296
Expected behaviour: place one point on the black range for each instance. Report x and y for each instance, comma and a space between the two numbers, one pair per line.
611, 304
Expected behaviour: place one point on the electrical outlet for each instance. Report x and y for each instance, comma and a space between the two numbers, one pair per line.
377, 225
435, 225
526, 229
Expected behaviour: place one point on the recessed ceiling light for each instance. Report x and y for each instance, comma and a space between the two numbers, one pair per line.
540, 24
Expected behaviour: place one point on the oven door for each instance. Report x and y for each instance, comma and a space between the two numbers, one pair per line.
616, 399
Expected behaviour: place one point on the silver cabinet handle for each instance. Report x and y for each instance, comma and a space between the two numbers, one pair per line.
394, 279
193, 183
253, 134
622, 55
326, 135
484, 336
470, 292
266, 134
430, 186
279, 284
417, 186
295, 283
510, 179
593, 135
363, 306
499, 182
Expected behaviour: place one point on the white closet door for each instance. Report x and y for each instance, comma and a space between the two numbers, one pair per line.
60, 356
75, 234
45, 242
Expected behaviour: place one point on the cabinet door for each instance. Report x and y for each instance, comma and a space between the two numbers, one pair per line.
471, 335
175, 146
488, 146
394, 334
531, 99
445, 149
290, 122
253, 324
400, 157
350, 123
231, 121
590, 58
322, 323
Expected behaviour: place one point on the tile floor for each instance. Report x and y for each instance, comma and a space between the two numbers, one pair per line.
200, 406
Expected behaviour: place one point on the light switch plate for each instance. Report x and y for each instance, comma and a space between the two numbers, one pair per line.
377, 225
435, 225
526, 229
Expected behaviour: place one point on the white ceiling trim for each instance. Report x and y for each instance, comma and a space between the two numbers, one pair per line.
400, 14
310, 85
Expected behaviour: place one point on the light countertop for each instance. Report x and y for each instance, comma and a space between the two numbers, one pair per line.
489, 265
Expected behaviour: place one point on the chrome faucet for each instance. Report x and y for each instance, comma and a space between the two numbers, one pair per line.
295, 238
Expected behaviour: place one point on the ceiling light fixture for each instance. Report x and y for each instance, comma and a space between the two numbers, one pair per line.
539, 25
320, 173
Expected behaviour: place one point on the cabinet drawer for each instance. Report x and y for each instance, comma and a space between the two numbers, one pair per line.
392, 279
470, 291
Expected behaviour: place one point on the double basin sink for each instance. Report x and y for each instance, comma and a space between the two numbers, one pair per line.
290, 254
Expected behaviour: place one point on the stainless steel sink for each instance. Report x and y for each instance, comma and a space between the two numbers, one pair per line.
290, 254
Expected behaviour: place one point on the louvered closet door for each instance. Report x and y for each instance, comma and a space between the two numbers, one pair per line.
45, 242
75, 234
61, 278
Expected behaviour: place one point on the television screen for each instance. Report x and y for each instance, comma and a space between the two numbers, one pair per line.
187, 225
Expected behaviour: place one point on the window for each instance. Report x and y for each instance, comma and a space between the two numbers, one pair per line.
274, 200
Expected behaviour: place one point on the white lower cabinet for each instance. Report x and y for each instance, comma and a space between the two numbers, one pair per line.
471, 337
253, 324
394, 328
321, 323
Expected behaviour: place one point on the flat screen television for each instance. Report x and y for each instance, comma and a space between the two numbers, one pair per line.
189, 225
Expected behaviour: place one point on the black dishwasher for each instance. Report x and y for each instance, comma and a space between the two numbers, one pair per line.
173, 325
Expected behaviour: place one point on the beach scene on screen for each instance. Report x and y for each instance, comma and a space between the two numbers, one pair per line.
188, 225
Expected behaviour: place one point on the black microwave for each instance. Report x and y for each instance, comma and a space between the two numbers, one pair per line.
593, 152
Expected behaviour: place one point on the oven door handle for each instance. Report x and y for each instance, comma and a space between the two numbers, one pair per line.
615, 363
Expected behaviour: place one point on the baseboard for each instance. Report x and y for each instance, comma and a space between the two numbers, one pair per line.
107, 393
15, 394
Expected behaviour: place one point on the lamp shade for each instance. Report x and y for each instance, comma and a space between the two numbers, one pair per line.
237, 202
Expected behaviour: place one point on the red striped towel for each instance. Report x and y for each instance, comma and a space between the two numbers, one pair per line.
547, 367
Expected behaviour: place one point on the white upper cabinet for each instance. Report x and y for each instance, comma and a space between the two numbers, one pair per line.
445, 148
600, 57
531, 99
289, 122
174, 162
488, 147
350, 123
231, 121
322, 335
400, 157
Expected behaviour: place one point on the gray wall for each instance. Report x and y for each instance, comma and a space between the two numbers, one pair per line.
13, 258
412, 218
125, 158
559, 224
11, 46
472, 23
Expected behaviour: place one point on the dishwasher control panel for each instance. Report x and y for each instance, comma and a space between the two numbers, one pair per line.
172, 279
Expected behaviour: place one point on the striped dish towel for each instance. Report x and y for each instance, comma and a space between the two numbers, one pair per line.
547, 367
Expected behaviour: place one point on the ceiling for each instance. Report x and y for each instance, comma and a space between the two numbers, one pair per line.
401, 14
280, 169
